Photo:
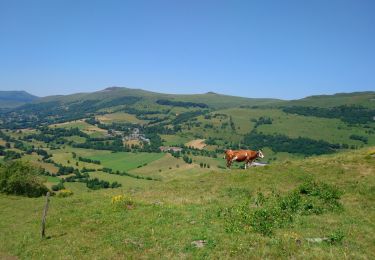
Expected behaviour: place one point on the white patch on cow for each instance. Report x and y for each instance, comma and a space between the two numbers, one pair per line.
260, 154
234, 158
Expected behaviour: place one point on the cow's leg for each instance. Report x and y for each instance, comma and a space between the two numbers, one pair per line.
229, 163
248, 163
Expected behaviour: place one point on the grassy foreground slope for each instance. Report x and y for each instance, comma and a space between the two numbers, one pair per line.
169, 215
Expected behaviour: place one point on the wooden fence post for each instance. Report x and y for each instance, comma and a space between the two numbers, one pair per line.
44, 216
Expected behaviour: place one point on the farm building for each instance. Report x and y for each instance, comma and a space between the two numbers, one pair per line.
170, 148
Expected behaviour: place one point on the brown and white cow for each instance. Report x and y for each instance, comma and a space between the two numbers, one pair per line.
247, 156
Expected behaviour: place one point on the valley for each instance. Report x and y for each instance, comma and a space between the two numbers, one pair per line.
164, 154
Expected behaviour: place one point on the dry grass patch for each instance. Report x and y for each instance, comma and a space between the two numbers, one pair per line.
197, 144
119, 117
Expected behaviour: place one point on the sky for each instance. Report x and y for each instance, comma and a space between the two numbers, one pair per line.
280, 49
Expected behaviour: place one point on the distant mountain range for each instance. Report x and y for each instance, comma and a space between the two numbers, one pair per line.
9, 99
12, 99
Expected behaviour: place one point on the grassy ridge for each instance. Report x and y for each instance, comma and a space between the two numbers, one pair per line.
168, 216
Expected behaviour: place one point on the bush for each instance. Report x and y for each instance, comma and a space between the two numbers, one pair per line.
64, 193
58, 186
21, 178
279, 211
122, 201
336, 237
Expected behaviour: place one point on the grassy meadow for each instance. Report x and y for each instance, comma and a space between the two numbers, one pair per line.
168, 216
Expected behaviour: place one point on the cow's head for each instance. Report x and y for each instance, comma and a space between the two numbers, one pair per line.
260, 154
228, 153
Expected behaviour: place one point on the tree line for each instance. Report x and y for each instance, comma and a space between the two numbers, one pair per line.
283, 143
167, 102
349, 114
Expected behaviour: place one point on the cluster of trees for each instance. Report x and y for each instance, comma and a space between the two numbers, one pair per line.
11, 155
216, 115
183, 117
167, 102
93, 184
348, 114
232, 126
88, 160
187, 150
361, 138
35, 114
113, 144
49, 135
111, 171
96, 184
59, 186
263, 120
187, 159
21, 178
283, 143
65, 170
204, 165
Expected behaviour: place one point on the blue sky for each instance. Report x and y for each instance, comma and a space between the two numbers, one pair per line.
282, 49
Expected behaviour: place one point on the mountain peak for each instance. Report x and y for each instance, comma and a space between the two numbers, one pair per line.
112, 88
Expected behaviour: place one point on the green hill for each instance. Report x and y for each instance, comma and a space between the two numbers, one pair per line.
313, 125
366, 99
9, 99
321, 207
211, 99
131, 199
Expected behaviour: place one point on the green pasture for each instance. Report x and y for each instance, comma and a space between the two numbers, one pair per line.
119, 117
330, 130
126, 181
176, 140
124, 161
168, 216
81, 125
167, 167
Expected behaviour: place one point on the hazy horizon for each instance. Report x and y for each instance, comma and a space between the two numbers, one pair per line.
318, 94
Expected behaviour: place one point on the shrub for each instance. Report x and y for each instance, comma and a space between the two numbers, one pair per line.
279, 211
122, 201
21, 178
64, 193
336, 237
58, 186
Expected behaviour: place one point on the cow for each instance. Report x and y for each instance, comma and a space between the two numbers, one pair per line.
247, 156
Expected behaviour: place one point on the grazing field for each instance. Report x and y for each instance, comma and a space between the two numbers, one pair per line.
197, 144
36, 160
126, 181
335, 130
169, 218
188, 205
173, 140
294, 126
92, 130
123, 161
167, 167
119, 117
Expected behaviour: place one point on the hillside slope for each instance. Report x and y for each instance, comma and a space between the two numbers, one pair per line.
169, 218
10, 99
211, 99
366, 99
